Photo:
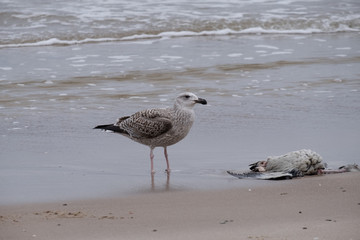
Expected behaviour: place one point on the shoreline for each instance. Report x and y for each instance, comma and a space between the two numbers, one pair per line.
273, 95
316, 207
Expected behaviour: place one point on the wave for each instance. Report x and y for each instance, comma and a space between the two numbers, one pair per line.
175, 34
56, 41
24, 24
254, 30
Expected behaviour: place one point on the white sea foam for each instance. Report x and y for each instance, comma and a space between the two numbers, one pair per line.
266, 46
93, 22
6, 68
108, 89
49, 82
79, 65
341, 55
14, 129
319, 40
276, 53
42, 69
171, 57
211, 55
118, 59
79, 58
235, 54
227, 31
56, 41
137, 97
174, 34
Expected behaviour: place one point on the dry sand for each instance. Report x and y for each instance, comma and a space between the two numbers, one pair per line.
319, 207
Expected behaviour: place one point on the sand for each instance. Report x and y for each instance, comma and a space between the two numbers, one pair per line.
319, 207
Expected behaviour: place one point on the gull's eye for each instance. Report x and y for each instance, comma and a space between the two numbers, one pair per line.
187, 96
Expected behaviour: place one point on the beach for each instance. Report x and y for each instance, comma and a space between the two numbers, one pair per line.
307, 98
317, 207
278, 76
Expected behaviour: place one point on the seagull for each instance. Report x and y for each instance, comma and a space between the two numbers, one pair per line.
298, 163
159, 127
293, 164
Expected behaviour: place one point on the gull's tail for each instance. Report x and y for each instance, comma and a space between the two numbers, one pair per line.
111, 127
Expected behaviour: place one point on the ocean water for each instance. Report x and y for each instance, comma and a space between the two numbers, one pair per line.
278, 76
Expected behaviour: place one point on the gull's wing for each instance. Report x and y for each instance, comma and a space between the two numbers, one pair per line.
148, 123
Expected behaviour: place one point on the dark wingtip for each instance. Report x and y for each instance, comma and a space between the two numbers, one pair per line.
111, 127
104, 127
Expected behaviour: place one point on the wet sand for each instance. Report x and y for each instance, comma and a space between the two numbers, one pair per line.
267, 95
319, 207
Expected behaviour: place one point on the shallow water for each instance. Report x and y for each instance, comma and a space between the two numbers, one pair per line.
268, 94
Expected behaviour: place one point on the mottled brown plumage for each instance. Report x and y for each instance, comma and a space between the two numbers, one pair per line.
159, 127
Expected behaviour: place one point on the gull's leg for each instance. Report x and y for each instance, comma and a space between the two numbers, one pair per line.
167, 160
152, 160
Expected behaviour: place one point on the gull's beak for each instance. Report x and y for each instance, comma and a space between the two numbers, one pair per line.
201, 101
254, 167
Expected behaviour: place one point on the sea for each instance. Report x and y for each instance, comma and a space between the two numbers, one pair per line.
278, 76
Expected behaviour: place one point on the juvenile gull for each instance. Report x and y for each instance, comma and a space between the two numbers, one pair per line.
159, 127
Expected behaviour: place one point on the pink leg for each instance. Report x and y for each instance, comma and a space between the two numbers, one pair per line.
152, 160
167, 160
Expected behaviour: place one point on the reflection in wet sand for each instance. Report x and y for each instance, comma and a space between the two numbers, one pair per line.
166, 187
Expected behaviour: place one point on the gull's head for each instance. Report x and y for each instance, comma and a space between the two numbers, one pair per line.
188, 100
258, 166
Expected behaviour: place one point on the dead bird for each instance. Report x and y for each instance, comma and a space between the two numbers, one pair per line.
293, 164
298, 163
